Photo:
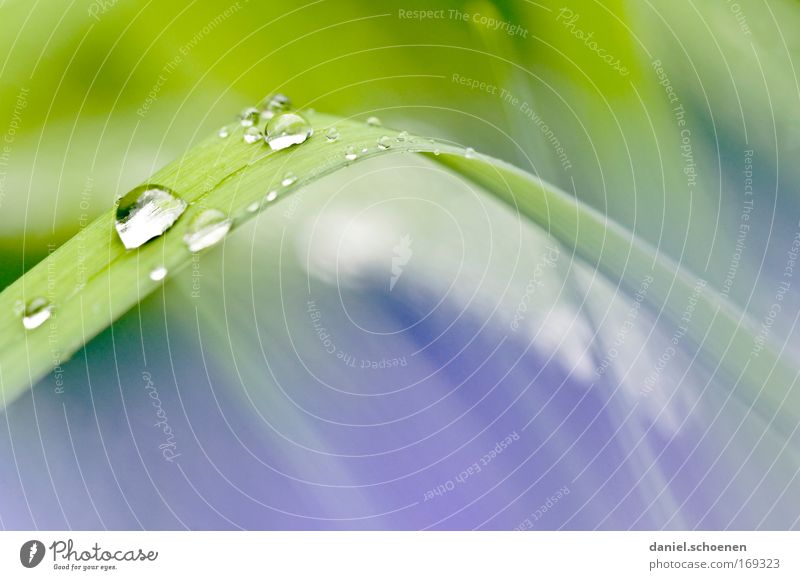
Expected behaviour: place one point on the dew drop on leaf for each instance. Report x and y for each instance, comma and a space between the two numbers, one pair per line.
36, 313
252, 135
274, 104
384, 142
271, 196
249, 117
157, 274
469, 153
146, 212
253, 207
288, 179
350, 154
402, 136
207, 228
332, 134
223, 133
373, 122
287, 129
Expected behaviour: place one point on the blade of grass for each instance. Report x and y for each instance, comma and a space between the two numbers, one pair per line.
92, 280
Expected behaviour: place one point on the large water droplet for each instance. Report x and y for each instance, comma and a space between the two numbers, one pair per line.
207, 228
384, 142
332, 134
252, 135
288, 179
350, 153
287, 129
274, 104
36, 313
249, 117
157, 274
146, 212
373, 122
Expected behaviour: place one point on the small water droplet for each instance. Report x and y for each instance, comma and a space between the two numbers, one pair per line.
469, 153
19, 307
207, 228
373, 122
253, 207
223, 133
332, 134
384, 142
274, 104
157, 274
249, 117
364, 150
288, 179
271, 196
146, 212
350, 154
286, 130
36, 313
402, 136
252, 135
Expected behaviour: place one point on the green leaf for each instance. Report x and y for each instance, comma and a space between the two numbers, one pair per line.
92, 280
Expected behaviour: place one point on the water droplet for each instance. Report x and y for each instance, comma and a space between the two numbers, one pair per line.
364, 150
207, 228
469, 153
223, 133
253, 207
249, 117
146, 212
332, 134
271, 196
436, 151
288, 179
286, 130
252, 135
158, 274
402, 136
384, 142
36, 313
274, 104
19, 307
350, 154
373, 122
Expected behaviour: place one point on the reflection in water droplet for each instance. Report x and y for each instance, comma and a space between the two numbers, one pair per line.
332, 134
469, 153
252, 135
373, 122
223, 133
157, 274
274, 104
286, 130
145, 213
288, 179
208, 227
384, 142
249, 117
350, 154
36, 313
